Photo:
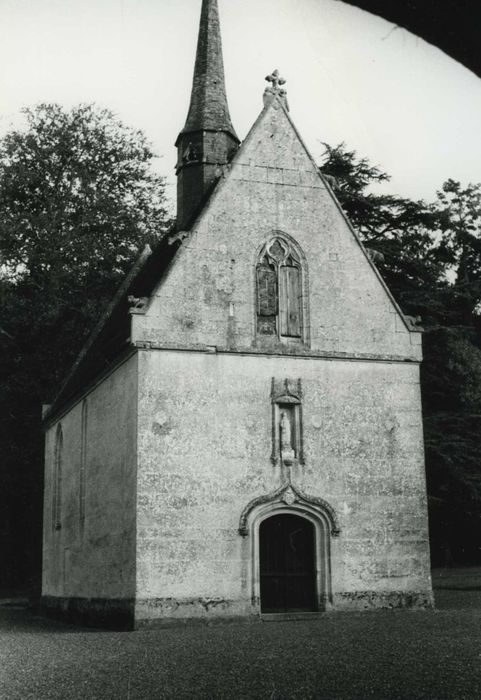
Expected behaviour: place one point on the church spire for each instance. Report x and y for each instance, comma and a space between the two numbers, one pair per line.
208, 103
208, 139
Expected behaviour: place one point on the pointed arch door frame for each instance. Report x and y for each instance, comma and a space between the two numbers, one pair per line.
322, 549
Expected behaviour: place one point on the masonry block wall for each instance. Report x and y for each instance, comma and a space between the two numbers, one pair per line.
203, 458
89, 545
260, 449
205, 413
178, 455
208, 296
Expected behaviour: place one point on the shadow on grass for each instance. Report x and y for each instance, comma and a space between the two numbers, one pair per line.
454, 589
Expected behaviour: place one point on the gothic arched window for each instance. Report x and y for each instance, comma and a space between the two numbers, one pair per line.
279, 291
57, 480
83, 465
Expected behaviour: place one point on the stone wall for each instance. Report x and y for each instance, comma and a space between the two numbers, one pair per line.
90, 552
205, 442
172, 463
208, 295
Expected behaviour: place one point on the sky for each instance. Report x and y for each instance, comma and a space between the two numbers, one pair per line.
351, 77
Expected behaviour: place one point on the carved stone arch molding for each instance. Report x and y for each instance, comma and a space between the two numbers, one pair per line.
290, 240
297, 501
290, 500
281, 284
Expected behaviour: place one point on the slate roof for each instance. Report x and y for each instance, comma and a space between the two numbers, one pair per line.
208, 109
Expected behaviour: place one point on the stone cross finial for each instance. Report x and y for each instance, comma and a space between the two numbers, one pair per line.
276, 80
275, 89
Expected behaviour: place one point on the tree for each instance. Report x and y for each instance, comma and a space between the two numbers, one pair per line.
401, 230
451, 380
78, 201
451, 388
460, 224
430, 257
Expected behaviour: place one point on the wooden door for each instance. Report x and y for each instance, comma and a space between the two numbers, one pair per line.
287, 564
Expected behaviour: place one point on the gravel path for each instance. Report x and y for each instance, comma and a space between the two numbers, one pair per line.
384, 655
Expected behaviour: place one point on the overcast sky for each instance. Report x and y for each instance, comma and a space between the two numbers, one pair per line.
350, 77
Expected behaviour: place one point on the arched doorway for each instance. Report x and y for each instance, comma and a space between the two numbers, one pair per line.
287, 564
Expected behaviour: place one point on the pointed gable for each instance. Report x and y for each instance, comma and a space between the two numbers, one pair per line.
273, 187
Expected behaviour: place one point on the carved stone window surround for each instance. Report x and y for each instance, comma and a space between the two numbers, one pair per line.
280, 277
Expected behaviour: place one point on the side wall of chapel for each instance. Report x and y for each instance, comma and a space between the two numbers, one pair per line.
89, 542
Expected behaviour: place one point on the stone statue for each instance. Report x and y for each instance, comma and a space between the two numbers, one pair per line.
285, 429
285, 426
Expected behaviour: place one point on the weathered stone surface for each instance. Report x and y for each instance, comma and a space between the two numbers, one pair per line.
180, 437
215, 459
208, 296
97, 561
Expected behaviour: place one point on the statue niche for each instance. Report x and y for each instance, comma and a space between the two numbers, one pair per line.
287, 443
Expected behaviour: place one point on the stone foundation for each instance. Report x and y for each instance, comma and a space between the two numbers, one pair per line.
115, 614
376, 600
156, 612
128, 614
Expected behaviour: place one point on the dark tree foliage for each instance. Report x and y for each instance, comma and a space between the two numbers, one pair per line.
78, 201
460, 224
400, 229
431, 261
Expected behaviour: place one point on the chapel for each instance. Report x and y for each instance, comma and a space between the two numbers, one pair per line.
241, 436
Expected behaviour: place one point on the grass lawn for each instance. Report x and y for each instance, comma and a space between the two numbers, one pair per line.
385, 655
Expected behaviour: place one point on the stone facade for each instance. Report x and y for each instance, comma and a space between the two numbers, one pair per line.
255, 446
273, 187
89, 545
191, 558
181, 436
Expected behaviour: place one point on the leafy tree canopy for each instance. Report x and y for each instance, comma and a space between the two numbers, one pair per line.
78, 200
401, 230
76, 187
430, 256
459, 211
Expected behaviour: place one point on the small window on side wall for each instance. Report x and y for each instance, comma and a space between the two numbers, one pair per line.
57, 480
279, 291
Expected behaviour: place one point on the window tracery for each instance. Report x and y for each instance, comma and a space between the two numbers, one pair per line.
279, 290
